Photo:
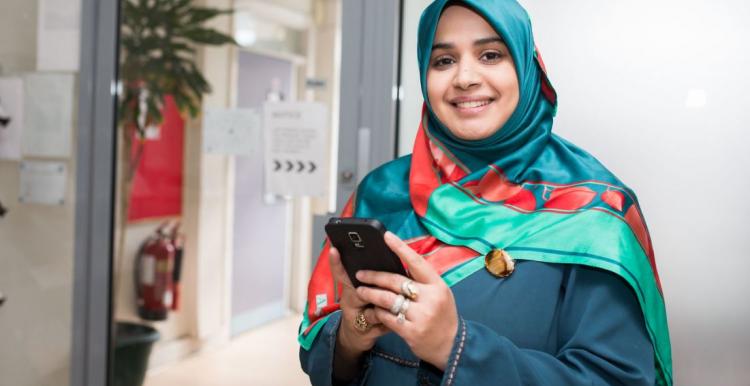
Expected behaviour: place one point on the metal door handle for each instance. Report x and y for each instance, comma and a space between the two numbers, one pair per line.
363, 158
2, 299
346, 177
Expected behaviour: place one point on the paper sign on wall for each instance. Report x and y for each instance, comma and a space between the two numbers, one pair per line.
296, 143
48, 105
58, 35
43, 182
11, 117
231, 131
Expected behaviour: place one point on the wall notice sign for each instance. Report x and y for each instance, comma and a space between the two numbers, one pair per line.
58, 35
296, 143
231, 131
48, 114
43, 182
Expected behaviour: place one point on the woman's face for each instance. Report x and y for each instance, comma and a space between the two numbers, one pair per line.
471, 81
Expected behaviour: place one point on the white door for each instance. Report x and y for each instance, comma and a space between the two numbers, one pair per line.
260, 223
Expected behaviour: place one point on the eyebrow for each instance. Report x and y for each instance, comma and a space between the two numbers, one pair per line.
480, 42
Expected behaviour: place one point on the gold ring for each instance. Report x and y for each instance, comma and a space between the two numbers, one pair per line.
409, 290
360, 323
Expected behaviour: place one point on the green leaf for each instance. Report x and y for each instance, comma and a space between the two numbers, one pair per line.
208, 36
197, 15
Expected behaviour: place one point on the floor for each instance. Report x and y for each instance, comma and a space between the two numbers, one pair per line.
266, 356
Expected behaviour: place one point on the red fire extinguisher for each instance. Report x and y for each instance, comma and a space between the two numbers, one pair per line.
154, 275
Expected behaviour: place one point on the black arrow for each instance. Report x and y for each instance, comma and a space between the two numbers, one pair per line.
312, 167
300, 167
289, 165
277, 165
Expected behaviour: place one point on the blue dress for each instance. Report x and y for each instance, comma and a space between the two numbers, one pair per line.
546, 324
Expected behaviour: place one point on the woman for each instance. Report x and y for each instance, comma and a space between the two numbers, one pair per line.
530, 263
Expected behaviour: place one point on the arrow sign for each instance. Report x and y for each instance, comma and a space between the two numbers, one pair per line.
296, 135
302, 166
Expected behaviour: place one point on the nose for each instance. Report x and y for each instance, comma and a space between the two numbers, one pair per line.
466, 77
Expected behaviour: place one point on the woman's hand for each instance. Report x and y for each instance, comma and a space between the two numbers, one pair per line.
431, 321
352, 342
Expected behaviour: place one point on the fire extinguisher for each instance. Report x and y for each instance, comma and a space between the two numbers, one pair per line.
154, 276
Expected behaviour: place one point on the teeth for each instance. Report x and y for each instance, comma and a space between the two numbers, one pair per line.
472, 104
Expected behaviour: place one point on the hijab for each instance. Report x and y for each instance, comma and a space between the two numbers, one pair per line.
523, 190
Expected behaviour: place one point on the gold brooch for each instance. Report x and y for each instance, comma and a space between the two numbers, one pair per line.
499, 263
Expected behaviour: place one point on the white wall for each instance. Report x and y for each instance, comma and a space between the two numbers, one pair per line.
36, 243
410, 93
631, 76
17, 36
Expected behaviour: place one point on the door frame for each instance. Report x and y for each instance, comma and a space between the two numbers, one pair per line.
94, 209
370, 60
239, 324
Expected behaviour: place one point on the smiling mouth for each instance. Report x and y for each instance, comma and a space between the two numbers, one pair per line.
472, 104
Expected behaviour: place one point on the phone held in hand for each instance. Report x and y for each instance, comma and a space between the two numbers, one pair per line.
362, 247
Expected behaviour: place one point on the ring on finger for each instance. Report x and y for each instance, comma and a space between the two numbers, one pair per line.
404, 307
409, 290
397, 304
400, 318
360, 322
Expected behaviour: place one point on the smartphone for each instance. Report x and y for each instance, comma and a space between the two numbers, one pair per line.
362, 247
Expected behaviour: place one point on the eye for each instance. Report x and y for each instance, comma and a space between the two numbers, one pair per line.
442, 61
491, 56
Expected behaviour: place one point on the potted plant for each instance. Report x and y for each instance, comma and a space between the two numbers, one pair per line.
158, 41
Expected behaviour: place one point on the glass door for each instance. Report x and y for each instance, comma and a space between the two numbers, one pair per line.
39, 68
56, 69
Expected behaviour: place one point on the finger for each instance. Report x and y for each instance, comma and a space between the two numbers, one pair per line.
349, 297
371, 317
376, 328
385, 280
337, 268
419, 269
376, 296
390, 321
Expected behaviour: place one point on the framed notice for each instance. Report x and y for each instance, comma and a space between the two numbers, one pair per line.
296, 144
231, 131
43, 182
48, 114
